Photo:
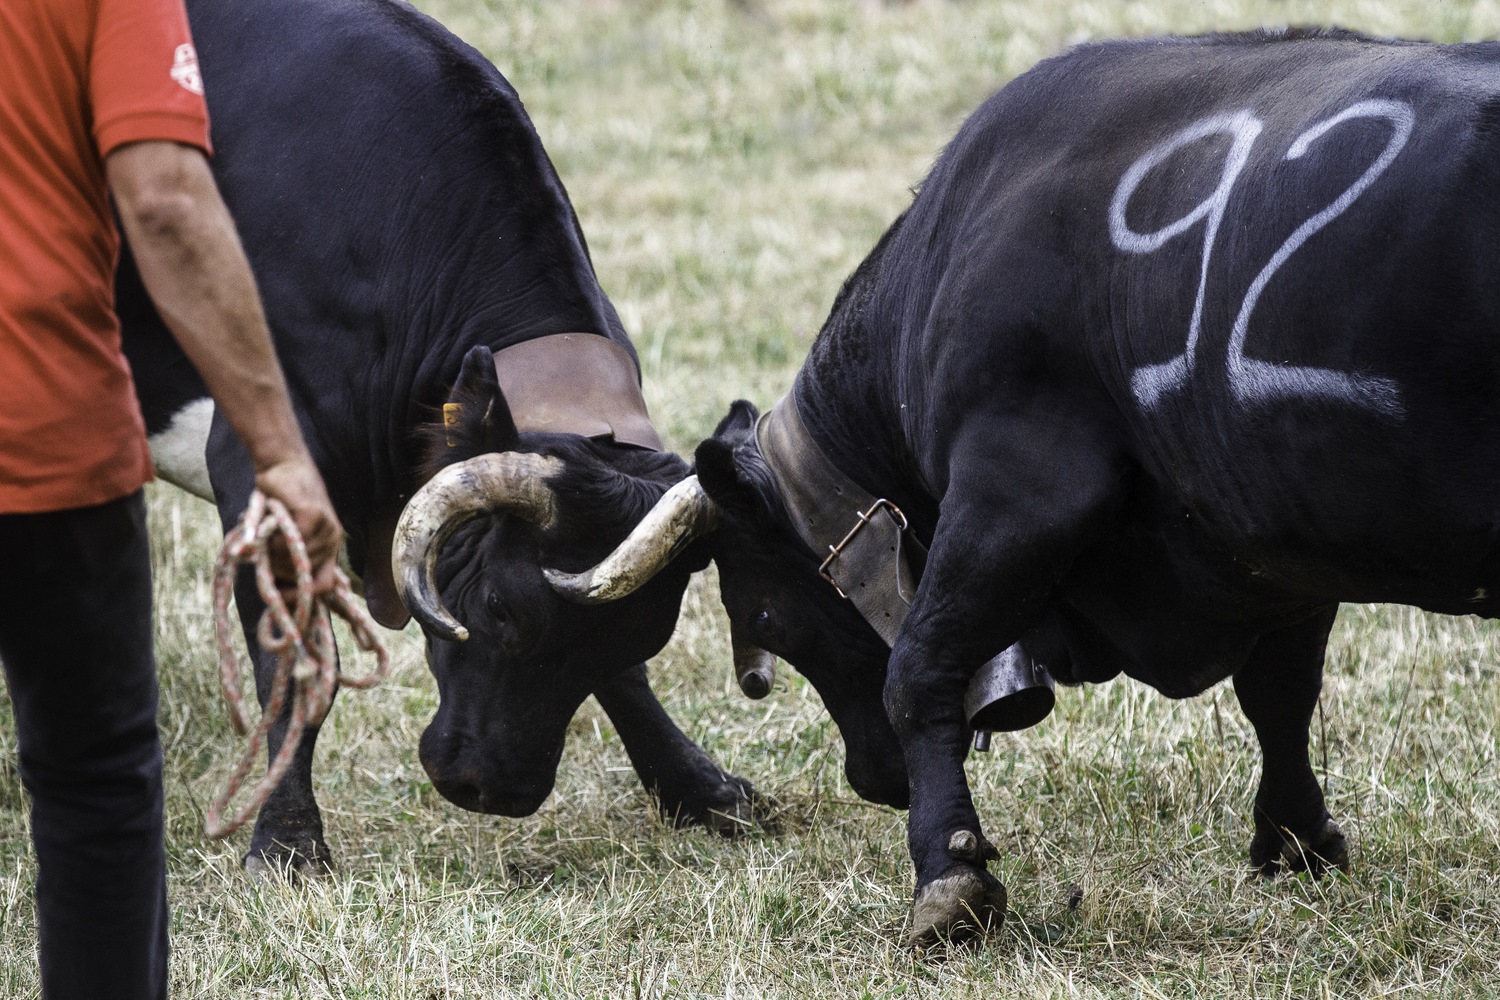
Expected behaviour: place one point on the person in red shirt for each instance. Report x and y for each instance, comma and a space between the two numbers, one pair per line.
101, 98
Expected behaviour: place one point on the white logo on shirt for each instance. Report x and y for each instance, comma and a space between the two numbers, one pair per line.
185, 69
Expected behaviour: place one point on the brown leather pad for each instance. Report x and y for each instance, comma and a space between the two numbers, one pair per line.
576, 383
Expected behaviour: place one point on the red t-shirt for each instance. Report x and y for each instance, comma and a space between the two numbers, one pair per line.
78, 78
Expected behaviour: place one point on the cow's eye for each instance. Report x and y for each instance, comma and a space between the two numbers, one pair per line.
496, 606
763, 626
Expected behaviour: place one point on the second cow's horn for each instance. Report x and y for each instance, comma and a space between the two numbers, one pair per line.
683, 513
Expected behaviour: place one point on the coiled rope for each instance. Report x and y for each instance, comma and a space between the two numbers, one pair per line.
301, 639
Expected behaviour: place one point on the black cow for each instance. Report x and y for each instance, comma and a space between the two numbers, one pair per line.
1181, 343
404, 221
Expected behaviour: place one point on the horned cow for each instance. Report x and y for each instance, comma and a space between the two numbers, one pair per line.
419, 259
1181, 343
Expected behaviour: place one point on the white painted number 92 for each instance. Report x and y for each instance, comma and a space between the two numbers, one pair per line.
1251, 380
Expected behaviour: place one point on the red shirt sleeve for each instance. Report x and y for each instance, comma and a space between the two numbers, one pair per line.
144, 81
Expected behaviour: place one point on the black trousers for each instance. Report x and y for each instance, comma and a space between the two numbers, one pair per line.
75, 638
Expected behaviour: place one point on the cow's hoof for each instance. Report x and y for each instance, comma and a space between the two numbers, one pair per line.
955, 907
1276, 849
732, 808
281, 863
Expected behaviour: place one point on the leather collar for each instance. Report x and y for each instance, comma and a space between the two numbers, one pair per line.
864, 542
576, 383
859, 537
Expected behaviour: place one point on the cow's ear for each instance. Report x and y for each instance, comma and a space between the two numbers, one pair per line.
730, 467
714, 460
476, 419
739, 422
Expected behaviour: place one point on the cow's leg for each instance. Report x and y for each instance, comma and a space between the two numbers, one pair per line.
1278, 690
288, 831
687, 785
994, 566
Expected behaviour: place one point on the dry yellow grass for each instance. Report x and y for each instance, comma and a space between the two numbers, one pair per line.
730, 169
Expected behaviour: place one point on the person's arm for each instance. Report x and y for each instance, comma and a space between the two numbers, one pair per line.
190, 259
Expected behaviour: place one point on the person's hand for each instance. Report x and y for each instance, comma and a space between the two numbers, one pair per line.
296, 483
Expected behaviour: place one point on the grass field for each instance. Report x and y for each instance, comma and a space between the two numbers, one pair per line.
730, 168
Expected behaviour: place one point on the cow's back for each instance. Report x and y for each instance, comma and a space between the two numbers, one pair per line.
1319, 215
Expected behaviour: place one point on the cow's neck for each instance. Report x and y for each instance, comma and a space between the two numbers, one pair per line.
847, 395
516, 271
862, 540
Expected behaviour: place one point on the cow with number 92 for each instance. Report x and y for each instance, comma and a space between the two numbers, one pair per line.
1181, 343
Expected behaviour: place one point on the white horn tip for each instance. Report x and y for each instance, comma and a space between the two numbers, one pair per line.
578, 587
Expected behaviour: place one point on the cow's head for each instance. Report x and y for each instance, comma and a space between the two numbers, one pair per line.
512, 658
772, 592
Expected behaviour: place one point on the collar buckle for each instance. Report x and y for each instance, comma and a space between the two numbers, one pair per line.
834, 551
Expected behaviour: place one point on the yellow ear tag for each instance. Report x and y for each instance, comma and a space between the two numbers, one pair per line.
452, 414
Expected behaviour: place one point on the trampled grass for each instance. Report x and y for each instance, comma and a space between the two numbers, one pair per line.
731, 166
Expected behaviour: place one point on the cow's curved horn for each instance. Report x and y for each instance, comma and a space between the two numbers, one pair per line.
510, 481
683, 513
